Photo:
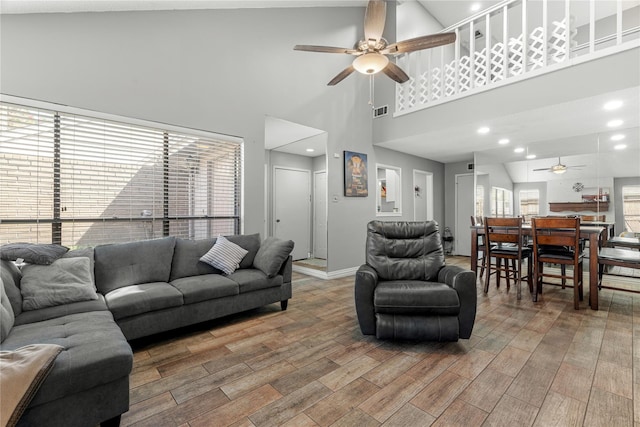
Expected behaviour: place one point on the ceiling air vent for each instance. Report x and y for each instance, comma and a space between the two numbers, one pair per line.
470, 166
478, 34
380, 111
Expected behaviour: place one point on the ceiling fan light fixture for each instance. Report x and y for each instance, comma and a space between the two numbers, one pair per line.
370, 63
558, 169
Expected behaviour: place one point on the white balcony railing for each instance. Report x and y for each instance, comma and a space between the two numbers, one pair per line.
516, 39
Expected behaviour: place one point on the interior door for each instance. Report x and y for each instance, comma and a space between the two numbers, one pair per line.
464, 211
292, 208
320, 214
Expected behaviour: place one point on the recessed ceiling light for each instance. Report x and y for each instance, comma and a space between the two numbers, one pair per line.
519, 150
484, 130
620, 147
531, 156
614, 123
504, 141
310, 150
475, 7
617, 137
613, 105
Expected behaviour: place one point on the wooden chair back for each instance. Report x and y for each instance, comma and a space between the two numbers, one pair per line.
503, 230
556, 231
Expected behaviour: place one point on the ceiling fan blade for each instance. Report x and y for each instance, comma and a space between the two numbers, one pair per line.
395, 72
420, 43
542, 169
577, 166
325, 49
374, 19
341, 75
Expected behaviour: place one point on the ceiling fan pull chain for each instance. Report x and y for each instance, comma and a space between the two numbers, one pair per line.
371, 91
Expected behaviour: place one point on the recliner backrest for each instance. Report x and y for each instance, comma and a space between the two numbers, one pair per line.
401, 250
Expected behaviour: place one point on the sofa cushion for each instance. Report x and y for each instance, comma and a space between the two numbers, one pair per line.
143, 298
252, 279
186, 259
6, 313
61, 310
11, 278
186, 256
125, 264
272, 254
205, 287
415, 297
248, 242
65, 281
33, 253
95, 352
224, 255
84, 253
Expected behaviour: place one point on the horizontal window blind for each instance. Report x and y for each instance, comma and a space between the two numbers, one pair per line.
80, 180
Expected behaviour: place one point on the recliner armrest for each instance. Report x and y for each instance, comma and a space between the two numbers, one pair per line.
464, 282
365, 285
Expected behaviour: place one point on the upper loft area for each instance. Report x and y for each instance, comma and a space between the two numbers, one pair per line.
515, 40
545, 87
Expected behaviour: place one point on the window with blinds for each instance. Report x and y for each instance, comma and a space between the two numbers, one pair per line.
529, 204
80, 181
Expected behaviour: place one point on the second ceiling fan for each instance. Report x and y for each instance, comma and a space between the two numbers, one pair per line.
559, 168
371, 51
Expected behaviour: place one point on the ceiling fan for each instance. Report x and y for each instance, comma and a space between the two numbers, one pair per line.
559, 168
371, 51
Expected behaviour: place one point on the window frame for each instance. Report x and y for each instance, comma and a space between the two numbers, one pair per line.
56, 218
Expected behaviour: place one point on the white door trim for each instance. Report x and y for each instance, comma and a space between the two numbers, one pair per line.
428, 191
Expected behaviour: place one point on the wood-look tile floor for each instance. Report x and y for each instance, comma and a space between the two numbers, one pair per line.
526, 364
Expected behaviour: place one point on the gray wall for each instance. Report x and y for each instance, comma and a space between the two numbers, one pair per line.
215, 70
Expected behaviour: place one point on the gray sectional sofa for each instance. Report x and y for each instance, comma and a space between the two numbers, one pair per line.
143, 288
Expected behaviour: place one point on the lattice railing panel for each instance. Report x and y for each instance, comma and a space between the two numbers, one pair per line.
436, 84
480, 68
515, 56
557, 46
452, 78
497, 62
536, 49
423, 88
464, 71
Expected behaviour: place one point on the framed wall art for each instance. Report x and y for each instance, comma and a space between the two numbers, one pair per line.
355, 174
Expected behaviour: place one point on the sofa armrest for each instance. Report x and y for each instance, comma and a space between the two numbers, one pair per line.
366, 282
285, 270
464, 282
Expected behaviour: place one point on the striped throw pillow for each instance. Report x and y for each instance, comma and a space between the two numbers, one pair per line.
224, 255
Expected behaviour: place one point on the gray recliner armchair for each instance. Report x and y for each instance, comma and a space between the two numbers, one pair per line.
405, 291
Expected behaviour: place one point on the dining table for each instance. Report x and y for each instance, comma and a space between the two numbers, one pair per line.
596, 235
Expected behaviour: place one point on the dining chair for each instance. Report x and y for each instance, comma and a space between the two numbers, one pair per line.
556, 240
477, 221
504, 243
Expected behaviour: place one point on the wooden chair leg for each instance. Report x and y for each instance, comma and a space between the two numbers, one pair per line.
580, 277
488, 276
576, 291
563, 272
498, 271
530, 273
